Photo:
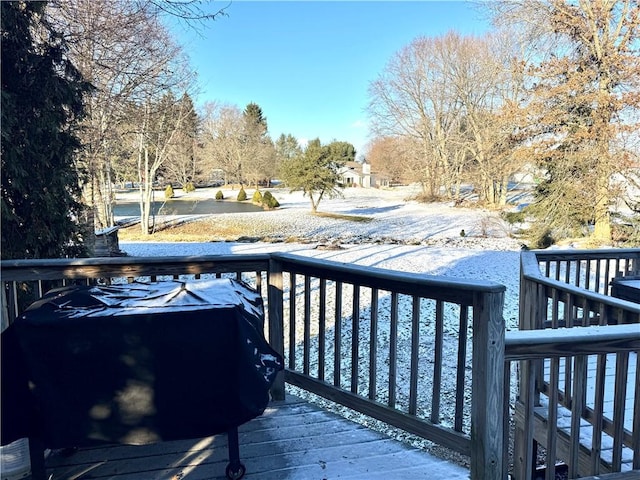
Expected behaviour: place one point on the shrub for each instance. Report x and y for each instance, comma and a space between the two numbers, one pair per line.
514, 217
219, 195
242, 195
168, 192
269, 201
257, 197
541, 238
189, 187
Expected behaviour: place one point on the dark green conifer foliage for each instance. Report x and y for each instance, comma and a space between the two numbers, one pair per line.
315, 173
255, 120
269, 201
41, 104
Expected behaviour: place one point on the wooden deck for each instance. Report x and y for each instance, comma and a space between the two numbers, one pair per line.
291, 440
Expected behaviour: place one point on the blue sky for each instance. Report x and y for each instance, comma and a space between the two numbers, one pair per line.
308, 64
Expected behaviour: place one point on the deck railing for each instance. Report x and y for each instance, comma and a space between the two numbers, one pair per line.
424, 354
564, 290
563, 431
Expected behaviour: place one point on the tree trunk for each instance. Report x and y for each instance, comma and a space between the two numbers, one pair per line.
504, 186
602, 230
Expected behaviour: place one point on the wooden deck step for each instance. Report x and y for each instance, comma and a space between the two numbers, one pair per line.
292, 440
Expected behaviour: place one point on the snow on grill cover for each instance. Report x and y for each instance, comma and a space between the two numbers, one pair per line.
140, 363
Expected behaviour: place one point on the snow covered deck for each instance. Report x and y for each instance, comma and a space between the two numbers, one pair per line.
291, 440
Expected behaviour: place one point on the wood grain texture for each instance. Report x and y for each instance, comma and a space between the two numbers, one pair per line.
291, 440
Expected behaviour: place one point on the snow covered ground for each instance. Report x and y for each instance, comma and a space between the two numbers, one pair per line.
402, 235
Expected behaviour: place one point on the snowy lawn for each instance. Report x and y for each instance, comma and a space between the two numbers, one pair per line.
401, 235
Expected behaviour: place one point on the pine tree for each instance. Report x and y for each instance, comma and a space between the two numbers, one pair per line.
42, 95
256, 122
315, 172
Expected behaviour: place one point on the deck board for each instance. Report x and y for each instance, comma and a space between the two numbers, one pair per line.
292, 440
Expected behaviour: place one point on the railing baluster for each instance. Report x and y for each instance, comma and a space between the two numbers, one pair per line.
306, 339
635, 438
292, 320
16, 305
577, 273
552, 422
337, 345
606, 277
322, 313
577, 411
415, 355
393, 349
598, 410
373, 345
437, 362
547, 268
355, 339
568, 365
619, 404
461, 367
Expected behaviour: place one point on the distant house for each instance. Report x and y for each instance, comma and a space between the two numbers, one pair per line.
355, 174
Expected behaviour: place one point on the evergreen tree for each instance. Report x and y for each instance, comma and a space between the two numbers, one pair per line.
258, 154
42, 101
582, 112
315, 173
342, 151
287, 147
181, 165
255, 121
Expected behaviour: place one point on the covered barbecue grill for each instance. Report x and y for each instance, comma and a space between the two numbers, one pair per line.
137, 364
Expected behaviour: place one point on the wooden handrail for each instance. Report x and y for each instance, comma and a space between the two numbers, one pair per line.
369, 289
550, 343
293, 291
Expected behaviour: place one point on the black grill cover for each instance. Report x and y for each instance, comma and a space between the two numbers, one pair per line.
137, 363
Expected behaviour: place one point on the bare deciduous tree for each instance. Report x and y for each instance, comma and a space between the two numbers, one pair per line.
223, 140
124, 50
411, 98
443, 95
584, 101
160, 120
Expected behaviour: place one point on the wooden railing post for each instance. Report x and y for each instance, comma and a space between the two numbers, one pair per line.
276, 322
532, 306
487, 405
